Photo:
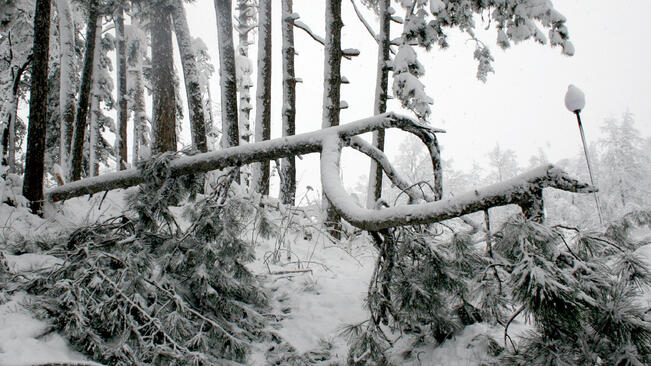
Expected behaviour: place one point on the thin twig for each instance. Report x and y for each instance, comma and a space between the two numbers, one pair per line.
506, 328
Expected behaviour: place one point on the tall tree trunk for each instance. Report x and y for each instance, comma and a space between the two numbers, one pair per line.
137, 43
123, 114
331, 91
261, 171
93, 165
164, 95
227, 76
380, 105
246, 19
93, 130
288, 165
76, 154
68, 71
191, 77
9, 132
35, 155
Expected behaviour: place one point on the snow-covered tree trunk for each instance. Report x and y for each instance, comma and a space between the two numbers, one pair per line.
11, 154
123, 114
246, 23
380, 105
191, 77
164, 92
331, 90
230, 127
137, 43
35, 155
288, 165
93, 129
10, 112
261, 171
81, 115
68, 76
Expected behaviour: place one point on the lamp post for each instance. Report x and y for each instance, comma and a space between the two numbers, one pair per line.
575, 101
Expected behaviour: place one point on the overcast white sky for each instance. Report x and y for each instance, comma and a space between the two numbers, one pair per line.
521, 105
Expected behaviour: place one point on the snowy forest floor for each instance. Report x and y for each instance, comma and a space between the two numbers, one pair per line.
317, 288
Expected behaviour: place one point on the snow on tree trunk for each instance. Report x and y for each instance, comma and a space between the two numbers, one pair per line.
246, 20
261, 171
81, 115
380, 105
68, 75
191, 78
230, 128
35, 155
123, 115
331, 91
137, 42
162, 70
9, 141
288, 165
93, 130
10, 111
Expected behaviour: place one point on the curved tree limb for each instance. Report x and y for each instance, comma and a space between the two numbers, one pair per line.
513, 191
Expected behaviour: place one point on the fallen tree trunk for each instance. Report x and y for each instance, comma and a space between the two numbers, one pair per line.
524, 190
240, 155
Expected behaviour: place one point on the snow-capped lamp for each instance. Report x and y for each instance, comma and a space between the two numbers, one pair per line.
575, 102
574, 99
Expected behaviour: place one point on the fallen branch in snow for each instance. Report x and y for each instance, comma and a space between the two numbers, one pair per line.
291, 272
239, 155
524, 190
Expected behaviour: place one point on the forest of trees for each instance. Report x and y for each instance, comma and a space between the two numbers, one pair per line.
99, 75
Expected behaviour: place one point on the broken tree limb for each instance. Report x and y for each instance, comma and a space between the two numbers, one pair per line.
239, 155
513, 191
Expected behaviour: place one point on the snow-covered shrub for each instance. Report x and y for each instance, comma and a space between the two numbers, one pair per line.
583, 300
141, 289
10, 188
580, 290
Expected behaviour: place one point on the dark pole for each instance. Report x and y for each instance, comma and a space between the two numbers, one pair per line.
587, 159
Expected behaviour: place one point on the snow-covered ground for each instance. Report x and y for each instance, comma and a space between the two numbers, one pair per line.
316, 291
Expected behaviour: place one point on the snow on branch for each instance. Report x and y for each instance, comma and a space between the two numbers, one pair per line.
521, 190
244, 154
524, 190
346, 53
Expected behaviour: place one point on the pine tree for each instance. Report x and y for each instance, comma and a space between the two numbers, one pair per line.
35, 154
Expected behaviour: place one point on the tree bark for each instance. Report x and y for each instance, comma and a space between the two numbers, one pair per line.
191, 77
9, 132
246, 20
93, 126
68, 75
261, 171
288, 165
164, 95
35, 155
332, 92
137, 91
230, 127
76, 154
380, 105
123, 114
